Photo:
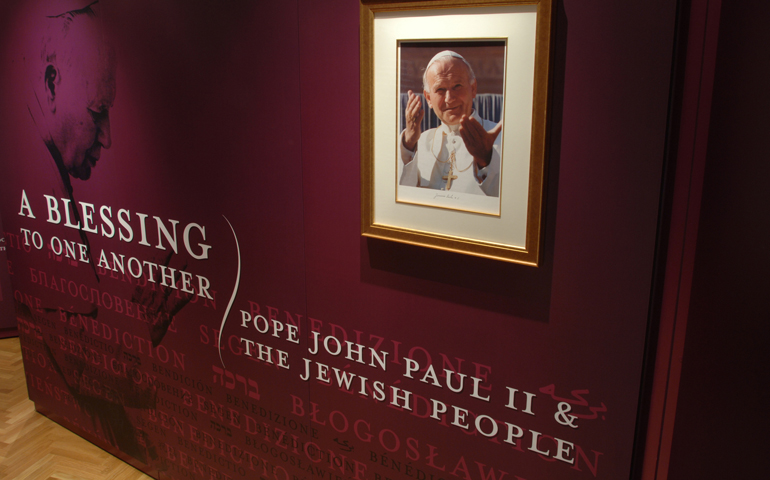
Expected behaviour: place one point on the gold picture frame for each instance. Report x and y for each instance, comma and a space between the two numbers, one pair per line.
506, 227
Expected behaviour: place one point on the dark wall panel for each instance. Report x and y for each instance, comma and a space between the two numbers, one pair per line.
724, 389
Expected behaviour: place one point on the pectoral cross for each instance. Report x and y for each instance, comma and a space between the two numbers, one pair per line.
449, 177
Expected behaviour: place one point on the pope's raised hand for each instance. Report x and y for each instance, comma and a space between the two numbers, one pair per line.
414, 114
478, 141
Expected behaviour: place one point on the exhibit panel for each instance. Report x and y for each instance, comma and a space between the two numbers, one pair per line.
181, 202
568, 335
169, 133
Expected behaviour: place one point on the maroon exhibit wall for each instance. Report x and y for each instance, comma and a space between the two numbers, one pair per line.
238, 124
725, 354
7, 317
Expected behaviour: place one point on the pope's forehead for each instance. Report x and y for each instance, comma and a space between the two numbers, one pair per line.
88, 45
89, 55
446, 66
92, 72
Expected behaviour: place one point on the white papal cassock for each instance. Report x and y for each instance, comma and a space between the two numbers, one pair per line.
429, 165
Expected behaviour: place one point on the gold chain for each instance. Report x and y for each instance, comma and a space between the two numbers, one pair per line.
452, 157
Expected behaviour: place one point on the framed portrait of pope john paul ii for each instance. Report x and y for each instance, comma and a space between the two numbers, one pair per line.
454, 103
